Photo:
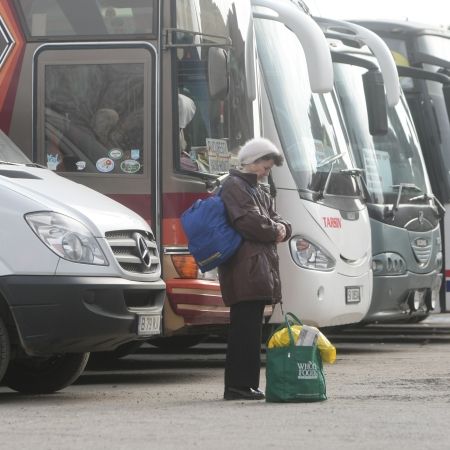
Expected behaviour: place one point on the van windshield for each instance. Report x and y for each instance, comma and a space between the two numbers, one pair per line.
390, 160
308, 125
10, 153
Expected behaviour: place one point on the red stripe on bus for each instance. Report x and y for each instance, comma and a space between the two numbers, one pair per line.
175, 203
10, 71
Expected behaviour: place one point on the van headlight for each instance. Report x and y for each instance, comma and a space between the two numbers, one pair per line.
66, 237
308, 255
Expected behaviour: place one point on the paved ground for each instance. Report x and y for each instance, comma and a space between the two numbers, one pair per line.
388, 390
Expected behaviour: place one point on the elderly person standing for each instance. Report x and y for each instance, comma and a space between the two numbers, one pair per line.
250, 279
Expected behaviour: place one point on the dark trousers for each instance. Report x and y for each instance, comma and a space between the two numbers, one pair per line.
243, 360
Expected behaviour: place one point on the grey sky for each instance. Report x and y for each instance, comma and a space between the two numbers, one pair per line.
432, 12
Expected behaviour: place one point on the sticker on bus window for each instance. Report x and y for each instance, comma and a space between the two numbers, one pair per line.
53, 161
130, 166
135, 153
218, 155
105, 165
81, 165
115, 153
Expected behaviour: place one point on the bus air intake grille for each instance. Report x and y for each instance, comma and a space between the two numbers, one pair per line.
135, 251
422, 254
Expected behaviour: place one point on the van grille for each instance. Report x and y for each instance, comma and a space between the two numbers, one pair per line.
135, 251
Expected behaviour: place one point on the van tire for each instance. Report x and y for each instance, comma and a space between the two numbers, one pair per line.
37, 375
4, 349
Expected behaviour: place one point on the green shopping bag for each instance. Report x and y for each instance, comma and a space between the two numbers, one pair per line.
294, 373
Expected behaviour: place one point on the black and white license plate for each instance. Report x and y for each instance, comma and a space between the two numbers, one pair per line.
352, 294
148, 325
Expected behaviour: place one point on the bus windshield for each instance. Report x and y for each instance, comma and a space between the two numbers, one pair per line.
308, 124
390, 160
437, 46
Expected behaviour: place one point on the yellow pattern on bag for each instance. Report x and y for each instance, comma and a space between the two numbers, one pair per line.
326, 348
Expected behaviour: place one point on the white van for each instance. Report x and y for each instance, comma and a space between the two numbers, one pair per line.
79, 272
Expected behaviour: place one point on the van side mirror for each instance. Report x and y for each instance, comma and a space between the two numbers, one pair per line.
446, 91
376, 102
218, 74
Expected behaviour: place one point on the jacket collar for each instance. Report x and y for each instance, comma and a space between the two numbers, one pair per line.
250, 178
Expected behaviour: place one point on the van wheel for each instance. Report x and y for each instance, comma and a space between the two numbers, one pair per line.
36, 375
4, 348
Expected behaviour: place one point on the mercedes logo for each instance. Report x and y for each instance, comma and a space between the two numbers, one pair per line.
142, 248
420, 218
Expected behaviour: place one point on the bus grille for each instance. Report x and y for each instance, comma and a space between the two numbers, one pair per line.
135, 251
423, 254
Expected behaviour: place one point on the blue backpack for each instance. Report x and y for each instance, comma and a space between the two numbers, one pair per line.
211, 238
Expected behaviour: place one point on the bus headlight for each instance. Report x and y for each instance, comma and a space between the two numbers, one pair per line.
388, 264
438, 261
308, 255
66, 237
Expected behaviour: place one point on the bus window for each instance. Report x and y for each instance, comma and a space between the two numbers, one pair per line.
203, 121
51, 18
94, 118
95, 112
210, 129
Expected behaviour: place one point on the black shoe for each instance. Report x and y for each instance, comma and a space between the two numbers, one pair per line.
232, 393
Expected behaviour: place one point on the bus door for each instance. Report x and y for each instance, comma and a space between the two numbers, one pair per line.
95, 108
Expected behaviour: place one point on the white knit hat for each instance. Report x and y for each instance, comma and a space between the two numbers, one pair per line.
256, 148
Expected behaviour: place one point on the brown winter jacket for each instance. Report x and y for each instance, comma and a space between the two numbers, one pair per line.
252, 273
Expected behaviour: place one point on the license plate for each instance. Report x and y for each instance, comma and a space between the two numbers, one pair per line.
352, 294
148, 325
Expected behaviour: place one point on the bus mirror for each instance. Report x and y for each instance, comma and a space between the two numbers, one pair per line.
376, 102
217, 73
446, 91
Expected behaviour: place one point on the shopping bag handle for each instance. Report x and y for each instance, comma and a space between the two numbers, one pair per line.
291, 318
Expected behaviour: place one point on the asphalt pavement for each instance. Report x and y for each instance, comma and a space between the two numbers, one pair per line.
387, 390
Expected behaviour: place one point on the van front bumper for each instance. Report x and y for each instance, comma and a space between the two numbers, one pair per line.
64, 314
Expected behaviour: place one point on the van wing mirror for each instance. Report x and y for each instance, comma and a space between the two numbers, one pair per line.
376, 102
218, 73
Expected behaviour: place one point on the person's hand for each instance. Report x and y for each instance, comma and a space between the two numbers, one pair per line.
281, 232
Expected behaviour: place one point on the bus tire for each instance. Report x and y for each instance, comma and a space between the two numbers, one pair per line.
418, 319
37, 375
4, 349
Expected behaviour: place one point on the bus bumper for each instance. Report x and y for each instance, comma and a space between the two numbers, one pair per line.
402, 297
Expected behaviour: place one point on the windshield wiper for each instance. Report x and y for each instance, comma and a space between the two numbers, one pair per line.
426, 197
40, 166
401, 187
330, 159
30, 164
9, 163
358, 173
